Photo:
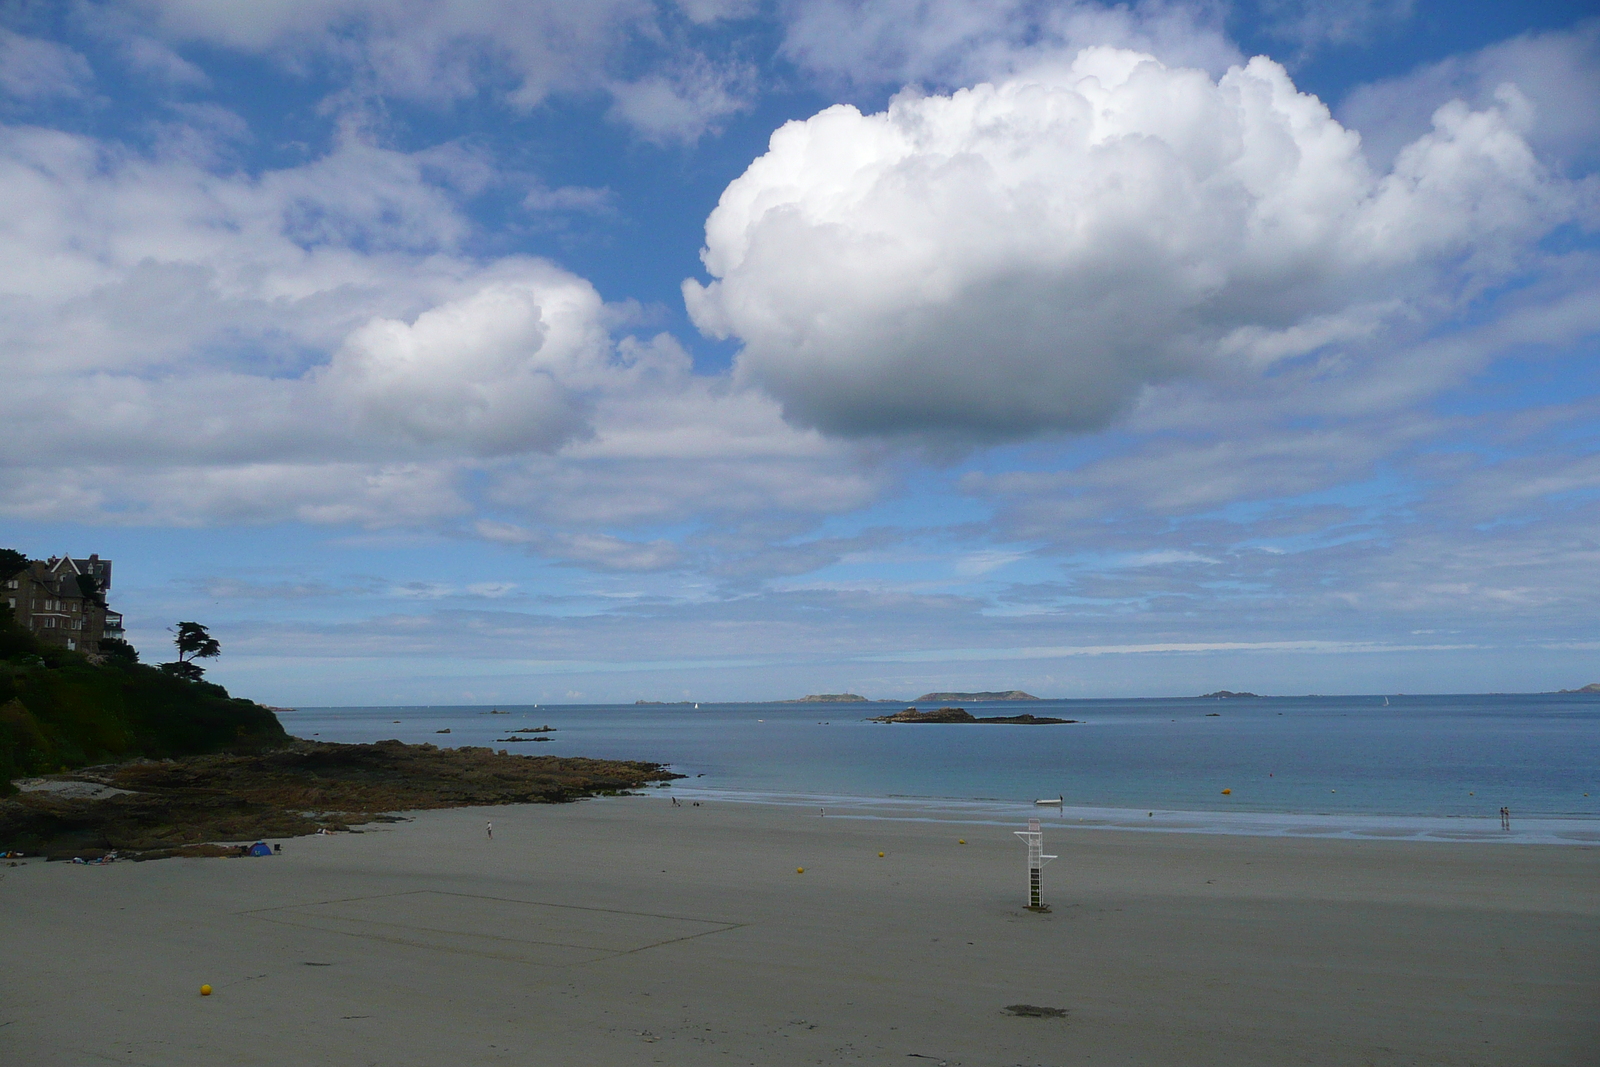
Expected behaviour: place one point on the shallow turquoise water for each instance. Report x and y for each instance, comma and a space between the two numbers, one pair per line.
1425, 756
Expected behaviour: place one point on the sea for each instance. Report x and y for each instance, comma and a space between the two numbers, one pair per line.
1392, 767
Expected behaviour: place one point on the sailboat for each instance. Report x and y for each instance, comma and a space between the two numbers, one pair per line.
1385, 701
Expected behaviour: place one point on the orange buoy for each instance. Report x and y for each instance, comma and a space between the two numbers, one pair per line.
1227, 792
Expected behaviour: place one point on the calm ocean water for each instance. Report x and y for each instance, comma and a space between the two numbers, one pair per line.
1429, 766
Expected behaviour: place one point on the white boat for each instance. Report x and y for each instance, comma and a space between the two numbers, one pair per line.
1051, 801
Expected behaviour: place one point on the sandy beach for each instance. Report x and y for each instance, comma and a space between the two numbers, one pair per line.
628, 931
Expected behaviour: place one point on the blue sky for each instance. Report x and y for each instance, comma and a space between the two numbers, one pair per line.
718, 349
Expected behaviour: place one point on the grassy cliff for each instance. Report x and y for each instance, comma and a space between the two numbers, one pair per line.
58, 711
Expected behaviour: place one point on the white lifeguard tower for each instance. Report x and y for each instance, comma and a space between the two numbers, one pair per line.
1033, 837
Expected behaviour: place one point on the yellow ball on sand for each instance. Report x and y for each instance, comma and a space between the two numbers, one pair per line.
880, 855
961, 841
205, 991
799, 870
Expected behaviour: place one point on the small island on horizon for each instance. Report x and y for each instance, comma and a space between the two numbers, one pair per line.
925, 698
1224, 694
974, 698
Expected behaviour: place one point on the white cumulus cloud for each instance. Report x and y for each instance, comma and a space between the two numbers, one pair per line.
188, 345
1029, 255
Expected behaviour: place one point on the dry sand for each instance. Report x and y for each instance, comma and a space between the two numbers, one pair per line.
626, 931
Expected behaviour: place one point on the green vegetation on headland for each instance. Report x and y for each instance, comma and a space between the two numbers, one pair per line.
961, 715
58, 710
828, 698
1592, 687
1224, 694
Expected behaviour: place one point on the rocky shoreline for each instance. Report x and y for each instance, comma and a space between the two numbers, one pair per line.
152, 809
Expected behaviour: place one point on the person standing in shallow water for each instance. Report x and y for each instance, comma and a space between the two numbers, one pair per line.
1505, 818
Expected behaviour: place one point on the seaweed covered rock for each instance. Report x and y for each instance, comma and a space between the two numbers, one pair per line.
152, 808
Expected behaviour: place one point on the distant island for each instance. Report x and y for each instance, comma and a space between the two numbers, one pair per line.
1592, 687
829, 698
961, 715
973, 698
1223, 694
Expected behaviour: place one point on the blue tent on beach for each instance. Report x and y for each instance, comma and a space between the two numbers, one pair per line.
260, 849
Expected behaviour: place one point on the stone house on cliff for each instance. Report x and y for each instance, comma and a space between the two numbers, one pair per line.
62, 601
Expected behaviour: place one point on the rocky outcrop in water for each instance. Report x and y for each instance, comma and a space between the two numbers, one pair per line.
961, 715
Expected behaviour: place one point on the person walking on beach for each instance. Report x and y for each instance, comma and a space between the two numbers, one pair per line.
1505, 818
488, 829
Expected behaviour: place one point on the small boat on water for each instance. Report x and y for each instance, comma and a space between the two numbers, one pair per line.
1054, 802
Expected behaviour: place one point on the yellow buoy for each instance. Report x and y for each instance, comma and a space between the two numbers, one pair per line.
1227, 792
799, 870
205, 991
961, 841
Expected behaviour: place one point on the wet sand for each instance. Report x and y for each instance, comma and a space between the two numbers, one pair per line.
626, 931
